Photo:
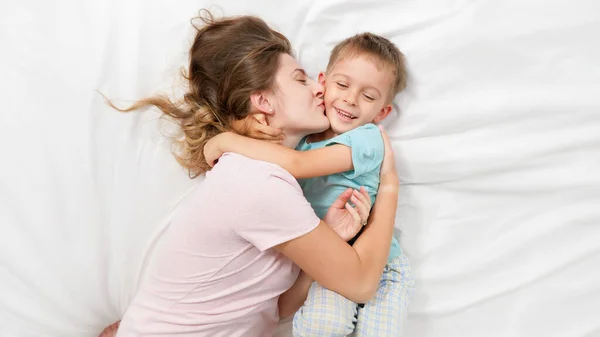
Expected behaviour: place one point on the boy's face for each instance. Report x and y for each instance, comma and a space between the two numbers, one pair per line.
356, 93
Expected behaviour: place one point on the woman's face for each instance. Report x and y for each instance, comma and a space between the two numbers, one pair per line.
297, 100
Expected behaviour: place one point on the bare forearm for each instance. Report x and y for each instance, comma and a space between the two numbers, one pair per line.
260, 150
363, 263
353, 272
293, 298
301, 164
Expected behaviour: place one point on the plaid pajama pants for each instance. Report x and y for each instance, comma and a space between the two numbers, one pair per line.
326, 313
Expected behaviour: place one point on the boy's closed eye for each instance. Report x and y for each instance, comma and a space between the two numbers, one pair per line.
369, 97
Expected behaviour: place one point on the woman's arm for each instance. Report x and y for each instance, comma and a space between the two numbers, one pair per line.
346, 221
291, 300
352, 271
301, 164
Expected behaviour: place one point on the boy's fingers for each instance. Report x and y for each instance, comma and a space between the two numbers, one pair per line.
268, 130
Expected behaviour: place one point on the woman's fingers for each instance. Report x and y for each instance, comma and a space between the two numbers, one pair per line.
342, 199
362, 206
354, 226
354, 214
365, 194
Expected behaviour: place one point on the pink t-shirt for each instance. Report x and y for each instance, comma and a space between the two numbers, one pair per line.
215, 271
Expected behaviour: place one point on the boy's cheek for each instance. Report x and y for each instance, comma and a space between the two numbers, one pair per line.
329, 95
330, 89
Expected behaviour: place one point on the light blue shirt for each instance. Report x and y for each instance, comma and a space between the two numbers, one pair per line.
367, 154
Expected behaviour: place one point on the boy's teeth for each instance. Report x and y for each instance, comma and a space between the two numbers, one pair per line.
344, 114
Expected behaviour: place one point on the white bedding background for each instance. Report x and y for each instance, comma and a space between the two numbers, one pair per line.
498, 147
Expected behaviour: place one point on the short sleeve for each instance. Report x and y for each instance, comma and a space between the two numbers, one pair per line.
276, 212
367, 149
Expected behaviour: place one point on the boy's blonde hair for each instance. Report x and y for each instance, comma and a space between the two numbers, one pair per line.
375, 46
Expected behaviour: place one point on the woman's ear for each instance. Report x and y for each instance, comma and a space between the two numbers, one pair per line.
383, 113
262, 102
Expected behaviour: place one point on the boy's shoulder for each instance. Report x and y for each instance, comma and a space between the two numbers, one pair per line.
365, 136
367, 148
368, 129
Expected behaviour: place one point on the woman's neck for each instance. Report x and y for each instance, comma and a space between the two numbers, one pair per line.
291, 141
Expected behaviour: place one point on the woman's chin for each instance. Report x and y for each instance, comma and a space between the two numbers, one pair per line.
322, 126
325, 127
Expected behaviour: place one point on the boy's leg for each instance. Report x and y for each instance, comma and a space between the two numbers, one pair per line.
325, 314
384, 315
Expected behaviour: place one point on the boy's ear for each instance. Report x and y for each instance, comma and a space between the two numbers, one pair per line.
321, 78
385, 111
261, 102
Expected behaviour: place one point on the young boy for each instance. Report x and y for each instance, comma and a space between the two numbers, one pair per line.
364, 74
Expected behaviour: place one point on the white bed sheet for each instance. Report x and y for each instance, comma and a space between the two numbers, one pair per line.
498, 146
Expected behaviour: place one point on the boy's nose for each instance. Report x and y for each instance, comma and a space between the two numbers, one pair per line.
350, 100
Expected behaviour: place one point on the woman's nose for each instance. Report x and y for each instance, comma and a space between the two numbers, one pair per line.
318, 89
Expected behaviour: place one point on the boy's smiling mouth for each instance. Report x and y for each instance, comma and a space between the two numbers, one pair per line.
344, 114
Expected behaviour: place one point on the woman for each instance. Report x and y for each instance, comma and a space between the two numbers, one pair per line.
228, 264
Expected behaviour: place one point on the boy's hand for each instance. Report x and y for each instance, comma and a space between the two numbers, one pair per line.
213, 148
346, 220
252, 127
388, 177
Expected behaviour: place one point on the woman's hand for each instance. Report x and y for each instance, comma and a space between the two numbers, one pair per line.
346, 220
388, 177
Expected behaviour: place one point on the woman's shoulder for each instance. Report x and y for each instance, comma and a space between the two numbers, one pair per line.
235, 168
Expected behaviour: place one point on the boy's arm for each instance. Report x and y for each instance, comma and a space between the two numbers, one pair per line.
332, 159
